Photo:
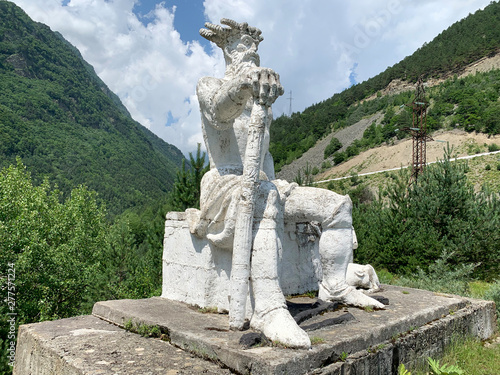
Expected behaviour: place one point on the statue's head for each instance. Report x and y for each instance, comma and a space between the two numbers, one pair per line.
239, 42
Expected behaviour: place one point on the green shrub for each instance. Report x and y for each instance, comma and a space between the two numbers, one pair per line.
494, 294
53, 246
332, 147
56, 246
339, 157
326, 164
402, 370
352, 150
417, 222
385, 277
493, 147
438, 369
441, 277
355, 179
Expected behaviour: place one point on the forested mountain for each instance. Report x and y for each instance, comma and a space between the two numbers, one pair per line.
66, 125
466, 41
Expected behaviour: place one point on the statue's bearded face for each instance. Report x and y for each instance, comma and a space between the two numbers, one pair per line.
242, 49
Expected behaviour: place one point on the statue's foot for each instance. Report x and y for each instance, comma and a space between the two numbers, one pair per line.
278, 325
349, 296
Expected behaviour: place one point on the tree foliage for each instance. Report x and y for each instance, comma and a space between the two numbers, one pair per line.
464, 42
332, 147
67, 255
55, 246
132, 260
186, 190
65, 124
414, 225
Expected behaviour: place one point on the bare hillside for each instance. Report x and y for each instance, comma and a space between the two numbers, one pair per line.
485, 64
400, 154
367, 161
314, 156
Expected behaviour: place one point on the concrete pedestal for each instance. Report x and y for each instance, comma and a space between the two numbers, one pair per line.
416, 324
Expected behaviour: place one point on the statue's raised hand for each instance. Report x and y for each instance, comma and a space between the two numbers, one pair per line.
266, 86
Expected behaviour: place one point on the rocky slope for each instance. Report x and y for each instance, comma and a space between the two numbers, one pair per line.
388, 156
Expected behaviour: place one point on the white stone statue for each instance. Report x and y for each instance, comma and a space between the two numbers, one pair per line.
243, 206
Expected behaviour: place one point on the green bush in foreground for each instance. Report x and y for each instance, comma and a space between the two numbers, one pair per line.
55, 246
52, 247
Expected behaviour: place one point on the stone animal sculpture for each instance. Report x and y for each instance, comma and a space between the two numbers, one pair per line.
362, 276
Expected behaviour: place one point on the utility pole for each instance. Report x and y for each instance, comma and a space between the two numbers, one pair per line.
290, 109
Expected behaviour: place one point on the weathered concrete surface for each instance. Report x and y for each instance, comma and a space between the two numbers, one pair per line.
419, 323
88, 345
415, 324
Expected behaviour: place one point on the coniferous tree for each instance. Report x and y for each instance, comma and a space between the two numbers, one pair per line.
414, 225
332, 147
186, 190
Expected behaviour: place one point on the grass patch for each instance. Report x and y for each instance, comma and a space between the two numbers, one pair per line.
315, 340
279, 344
493, 294
472, 357
441, 277
385, 277
144, 330
208, 310
309, 294
477, 289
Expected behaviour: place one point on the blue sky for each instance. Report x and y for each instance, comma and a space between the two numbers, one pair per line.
189, 17
150, 53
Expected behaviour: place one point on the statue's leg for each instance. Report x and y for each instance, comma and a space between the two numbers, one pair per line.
271, 315
334, 212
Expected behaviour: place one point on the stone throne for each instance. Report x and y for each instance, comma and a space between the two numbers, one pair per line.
197, 272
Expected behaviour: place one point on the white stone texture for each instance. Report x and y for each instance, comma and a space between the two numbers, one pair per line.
362, 276
197, 272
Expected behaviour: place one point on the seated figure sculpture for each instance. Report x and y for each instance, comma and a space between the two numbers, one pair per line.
229, 106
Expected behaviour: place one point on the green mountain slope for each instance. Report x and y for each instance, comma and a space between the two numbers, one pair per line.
468, 40
65, 124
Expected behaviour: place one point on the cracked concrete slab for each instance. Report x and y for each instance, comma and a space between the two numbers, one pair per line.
89, 345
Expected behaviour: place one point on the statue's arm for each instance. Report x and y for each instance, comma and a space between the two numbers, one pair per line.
221, 101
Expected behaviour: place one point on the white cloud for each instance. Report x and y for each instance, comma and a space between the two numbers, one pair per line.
312, 44
149, 67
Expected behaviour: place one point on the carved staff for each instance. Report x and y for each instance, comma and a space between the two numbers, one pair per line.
243, 235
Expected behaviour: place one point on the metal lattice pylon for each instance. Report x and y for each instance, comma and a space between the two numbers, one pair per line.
419, 130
